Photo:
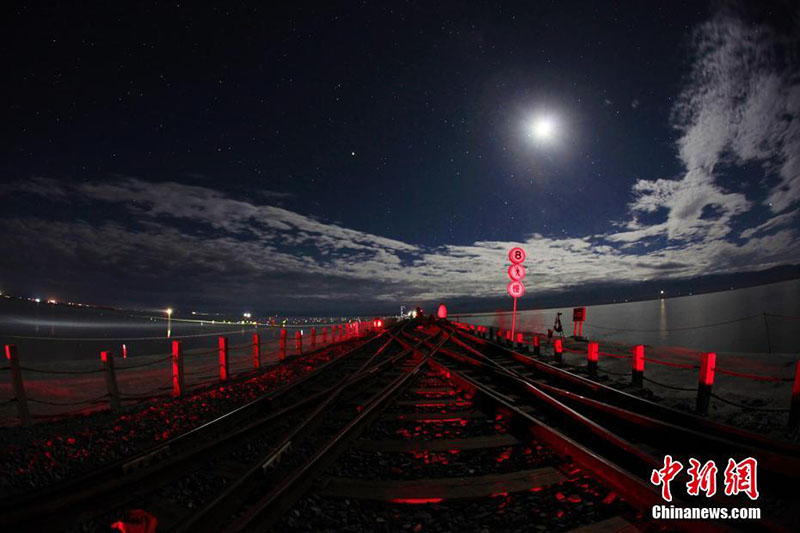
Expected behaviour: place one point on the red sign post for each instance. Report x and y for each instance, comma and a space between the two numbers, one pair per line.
578, 318
515, 289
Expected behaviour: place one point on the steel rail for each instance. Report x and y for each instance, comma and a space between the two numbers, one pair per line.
781, 465
295, 485
638, 493
60, 498
625, 451
783, 469
612, 396
208, 518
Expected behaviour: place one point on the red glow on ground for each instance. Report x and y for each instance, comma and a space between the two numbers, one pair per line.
610, 498
504, 456
417, 501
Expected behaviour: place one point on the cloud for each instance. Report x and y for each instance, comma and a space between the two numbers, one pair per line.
741, 105
168, 238
772, 223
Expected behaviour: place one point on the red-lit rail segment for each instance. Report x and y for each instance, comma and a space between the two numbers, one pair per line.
630, 431
436, 445
433, 424
184, 429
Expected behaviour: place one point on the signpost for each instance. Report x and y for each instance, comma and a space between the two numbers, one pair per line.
578, 318
515, 289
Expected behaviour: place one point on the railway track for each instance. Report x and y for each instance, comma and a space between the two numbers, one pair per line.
195, 464
633, 433
442, 457
423, 427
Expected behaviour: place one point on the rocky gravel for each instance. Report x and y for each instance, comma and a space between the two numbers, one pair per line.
455, 428
560, 507
451, 463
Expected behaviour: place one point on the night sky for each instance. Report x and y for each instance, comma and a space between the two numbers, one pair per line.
359, 156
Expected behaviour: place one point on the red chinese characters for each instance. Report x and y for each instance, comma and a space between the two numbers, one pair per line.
741, 477
702, 478
665, 475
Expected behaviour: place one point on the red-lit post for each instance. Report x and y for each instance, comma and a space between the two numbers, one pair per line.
223, 358
177, 368
256, 351
111, 381
298, 342
637, 366
520, 342
707, 368
313, 338
282, 352
124, 351
514, 319
536, 348
325, 335
19, 388
558, 350
794, 409
592, 355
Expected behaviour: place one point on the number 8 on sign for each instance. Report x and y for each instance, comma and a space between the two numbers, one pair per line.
515, 289
516, 255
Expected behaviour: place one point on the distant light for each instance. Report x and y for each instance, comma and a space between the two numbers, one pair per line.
662, 292
51, 301
37, 300
246, 315
169, 311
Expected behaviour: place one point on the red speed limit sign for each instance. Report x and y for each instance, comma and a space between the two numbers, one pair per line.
515, 289
516, 272
516, 255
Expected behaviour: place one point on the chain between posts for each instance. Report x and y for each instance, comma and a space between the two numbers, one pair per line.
708, 369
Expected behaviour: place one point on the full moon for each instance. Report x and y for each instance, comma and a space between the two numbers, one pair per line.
542, 128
